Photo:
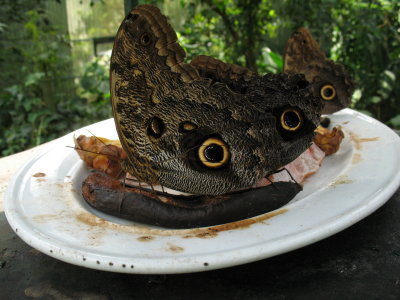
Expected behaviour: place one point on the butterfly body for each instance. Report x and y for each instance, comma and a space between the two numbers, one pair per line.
195, 134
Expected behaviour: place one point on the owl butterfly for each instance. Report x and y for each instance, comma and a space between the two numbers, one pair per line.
198, 134
330, 82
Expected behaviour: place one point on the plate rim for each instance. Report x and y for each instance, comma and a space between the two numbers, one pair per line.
206, 261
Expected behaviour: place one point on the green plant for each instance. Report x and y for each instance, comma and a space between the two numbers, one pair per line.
367, 40
45, 101
364, 35
41, 98
234, 31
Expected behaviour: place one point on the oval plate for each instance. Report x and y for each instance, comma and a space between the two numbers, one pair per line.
45, 208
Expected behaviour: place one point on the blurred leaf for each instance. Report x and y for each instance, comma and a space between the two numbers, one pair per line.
376, 99
33, 78
277, 59
356, 96
390, 76
395, 121
33, 116
2, 27
13, 90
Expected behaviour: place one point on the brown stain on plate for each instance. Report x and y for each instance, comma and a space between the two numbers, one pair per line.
175, 249
203, 233
248, 222
358, 144
373, 139
96, 231
356, 158
145, 238
358, 141
39, 174
211, 232
45, 218
342, 179
90, 219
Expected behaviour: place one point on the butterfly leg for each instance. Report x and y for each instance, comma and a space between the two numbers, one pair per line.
271, 182
291, 176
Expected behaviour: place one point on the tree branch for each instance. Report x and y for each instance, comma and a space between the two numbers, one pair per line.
250, 8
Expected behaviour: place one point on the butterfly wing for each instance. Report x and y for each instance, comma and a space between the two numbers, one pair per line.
331, 83
218, 70
146, 65
196, 134
235, 77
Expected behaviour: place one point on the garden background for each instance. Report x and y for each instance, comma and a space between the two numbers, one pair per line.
54, 54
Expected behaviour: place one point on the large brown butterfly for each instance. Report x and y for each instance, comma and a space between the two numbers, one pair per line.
330, 81
190, 132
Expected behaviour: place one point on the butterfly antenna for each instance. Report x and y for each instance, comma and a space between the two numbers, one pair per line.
84, 150
99, 153
97, 138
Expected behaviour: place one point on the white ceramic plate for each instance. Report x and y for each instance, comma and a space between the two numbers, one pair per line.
49, 213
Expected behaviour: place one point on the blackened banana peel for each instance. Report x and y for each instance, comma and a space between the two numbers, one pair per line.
110, 196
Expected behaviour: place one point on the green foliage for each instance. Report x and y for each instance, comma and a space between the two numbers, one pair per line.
41, 99
233, 31
363, 35
367, 40
44, 102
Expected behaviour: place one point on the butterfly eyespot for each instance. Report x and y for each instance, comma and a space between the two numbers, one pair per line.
145, 39
291, 119
187, 127
328, 92
213, 153
155, 128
